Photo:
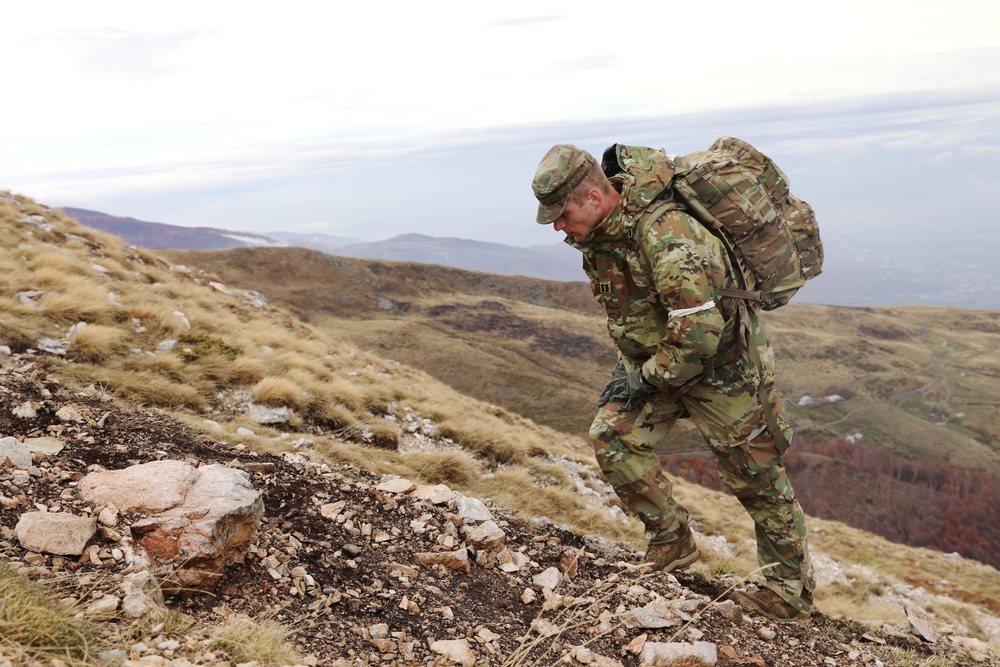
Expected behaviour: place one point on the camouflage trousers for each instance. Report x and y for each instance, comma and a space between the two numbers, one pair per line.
727, 410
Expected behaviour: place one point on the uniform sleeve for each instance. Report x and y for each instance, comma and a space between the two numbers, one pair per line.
685, 266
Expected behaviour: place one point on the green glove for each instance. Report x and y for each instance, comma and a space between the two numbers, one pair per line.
615, 390
639, 391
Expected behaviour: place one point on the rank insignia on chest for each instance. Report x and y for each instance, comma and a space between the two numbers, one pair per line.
605, 288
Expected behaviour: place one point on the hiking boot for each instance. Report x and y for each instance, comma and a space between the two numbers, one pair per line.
772, 605
676, 555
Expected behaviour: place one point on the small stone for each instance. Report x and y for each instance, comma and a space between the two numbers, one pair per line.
766, 633
730, 611
331, 510
44, 446
398, 485
55, 533
548, 578
471, 509
569, 563
15, 451
528, 596
108, 516
453, 560
455, 650
103, 609
436, 495
544, 627
635, 646
487, 635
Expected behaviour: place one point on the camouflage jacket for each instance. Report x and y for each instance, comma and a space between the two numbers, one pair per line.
657, 272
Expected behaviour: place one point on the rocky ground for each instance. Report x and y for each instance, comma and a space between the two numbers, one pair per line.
368, 570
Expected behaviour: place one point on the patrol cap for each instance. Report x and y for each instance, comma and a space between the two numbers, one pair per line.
559, 173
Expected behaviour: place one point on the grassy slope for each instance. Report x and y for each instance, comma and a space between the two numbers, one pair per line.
539, 348
132, 301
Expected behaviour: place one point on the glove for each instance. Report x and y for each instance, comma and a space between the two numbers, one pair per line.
638, 391
615, 390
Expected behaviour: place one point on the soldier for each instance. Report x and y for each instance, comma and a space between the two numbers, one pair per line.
685, 350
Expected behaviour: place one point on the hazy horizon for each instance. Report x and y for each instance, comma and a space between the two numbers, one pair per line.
361, 123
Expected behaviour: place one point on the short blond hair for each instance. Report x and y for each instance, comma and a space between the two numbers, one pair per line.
595, 178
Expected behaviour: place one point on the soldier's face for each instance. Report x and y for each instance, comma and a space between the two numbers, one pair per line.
577, 221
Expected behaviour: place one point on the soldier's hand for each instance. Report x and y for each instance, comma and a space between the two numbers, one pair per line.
615, 390
639, 390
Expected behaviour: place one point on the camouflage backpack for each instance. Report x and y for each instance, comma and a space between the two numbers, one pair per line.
743, 197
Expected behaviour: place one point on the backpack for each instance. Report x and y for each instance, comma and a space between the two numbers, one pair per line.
743, 198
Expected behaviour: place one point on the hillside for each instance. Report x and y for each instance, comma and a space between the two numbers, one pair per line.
313, 591
161, 360
901, 379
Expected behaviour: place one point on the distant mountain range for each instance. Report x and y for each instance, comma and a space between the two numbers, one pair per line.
159, 235
552, 262
951, 273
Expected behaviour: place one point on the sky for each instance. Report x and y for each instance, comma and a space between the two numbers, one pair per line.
368, 120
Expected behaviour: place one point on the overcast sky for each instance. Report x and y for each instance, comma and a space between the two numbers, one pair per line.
374, 119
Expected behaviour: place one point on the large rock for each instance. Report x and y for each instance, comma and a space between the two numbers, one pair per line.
201, 519
143, 489
55, 532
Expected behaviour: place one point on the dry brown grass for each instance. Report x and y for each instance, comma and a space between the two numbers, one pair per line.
97, 342
141, 386
80, 302
265, 642
346, 393
160, 317
35, 624
273, 391
51, 262
163, 364
497, 454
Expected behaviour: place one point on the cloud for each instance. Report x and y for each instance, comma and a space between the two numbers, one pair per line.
930, 125
127, 54
877, 161
527, 21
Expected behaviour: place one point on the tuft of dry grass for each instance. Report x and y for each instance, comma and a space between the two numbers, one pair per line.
341, 390
34, 622
55, 262
904, 657
275, 392
452, 467
80, 302
161, 318
265, 642
97, 342
142, 386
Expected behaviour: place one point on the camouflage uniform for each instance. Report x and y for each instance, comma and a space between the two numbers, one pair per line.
657, 271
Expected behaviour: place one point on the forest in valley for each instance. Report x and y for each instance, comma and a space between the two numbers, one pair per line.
865, 486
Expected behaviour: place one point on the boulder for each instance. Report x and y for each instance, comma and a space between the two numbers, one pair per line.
199, 520
143, 489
